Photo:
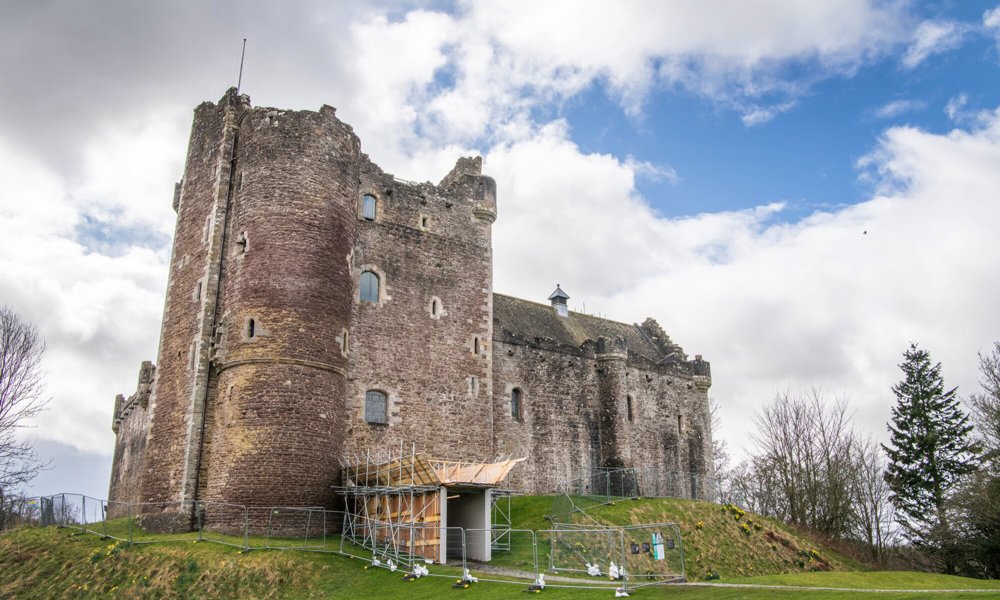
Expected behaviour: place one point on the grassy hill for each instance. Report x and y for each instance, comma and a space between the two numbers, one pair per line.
725, 541
62, 563
719, 542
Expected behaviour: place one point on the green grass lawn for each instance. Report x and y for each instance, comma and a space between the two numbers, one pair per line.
889, 580
740, 548
50, 563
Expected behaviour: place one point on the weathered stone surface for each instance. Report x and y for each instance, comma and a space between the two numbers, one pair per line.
267, 351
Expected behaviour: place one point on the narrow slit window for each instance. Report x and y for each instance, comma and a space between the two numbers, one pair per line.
475, 345
251, 328
680, 424
628, 401
376, 407
369, 287
368, 204
515, 403
434, 308
345, 341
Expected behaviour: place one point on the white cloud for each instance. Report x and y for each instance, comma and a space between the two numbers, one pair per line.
991, 22
653, 172
755, 115
98, 314
830, 301
813, 299
955, 109
933, 37
891, 110
466, 78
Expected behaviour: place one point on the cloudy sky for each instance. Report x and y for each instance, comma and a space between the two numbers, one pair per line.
795, 190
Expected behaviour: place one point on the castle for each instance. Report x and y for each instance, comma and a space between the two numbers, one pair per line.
317, 305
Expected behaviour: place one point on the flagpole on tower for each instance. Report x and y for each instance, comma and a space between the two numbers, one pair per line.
239, 82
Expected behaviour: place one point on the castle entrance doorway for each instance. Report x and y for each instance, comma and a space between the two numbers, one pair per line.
469, 508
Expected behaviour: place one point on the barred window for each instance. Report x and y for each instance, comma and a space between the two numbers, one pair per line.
368, 207
376, 407
369, 287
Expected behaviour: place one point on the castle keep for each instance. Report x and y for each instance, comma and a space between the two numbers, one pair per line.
317, 305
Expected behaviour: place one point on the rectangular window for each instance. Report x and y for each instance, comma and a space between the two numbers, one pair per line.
369, 287
376, 408
368, 207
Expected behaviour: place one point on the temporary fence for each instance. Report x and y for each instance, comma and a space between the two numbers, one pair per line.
18, 511
645, 482
572, 555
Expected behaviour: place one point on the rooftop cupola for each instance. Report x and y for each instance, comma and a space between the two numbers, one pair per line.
559, 299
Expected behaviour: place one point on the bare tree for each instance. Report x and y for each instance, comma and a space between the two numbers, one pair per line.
721, 458
808, 448
753, 484
21, 400
985, 408
874, 515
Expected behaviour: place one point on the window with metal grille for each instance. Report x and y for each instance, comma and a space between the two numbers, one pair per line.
376, 407
368, 207
369, 287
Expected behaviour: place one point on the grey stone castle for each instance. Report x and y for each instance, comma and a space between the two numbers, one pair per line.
316, 305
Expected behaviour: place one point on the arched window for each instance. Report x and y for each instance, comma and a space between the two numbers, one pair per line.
515, 403
369, 287
376, 407
368, 207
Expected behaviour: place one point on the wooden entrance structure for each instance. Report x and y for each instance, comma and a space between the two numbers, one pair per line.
396, 506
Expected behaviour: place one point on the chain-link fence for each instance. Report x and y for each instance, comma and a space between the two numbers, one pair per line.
645, 482
569, 554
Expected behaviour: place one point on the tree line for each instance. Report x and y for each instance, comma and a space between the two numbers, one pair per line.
930, 496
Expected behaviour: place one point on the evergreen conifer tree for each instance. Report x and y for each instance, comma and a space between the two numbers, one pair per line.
930, 451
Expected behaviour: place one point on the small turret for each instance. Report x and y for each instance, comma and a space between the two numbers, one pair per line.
558, 299
467, 179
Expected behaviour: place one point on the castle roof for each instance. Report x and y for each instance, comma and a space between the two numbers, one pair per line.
520, 321
559, 293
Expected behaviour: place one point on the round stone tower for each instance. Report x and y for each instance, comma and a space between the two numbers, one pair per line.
274, 427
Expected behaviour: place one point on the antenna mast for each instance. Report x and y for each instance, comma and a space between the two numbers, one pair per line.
239, 81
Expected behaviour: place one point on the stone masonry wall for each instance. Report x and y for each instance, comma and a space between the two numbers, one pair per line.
181, 379
130, 424
564, 398
275, 425
427, 244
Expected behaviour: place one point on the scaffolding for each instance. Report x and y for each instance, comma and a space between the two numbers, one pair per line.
395, 498
500, 521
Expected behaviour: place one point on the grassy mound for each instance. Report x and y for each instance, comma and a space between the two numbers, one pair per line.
719, 542
725, 541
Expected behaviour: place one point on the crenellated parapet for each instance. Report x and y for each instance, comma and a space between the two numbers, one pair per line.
138, 400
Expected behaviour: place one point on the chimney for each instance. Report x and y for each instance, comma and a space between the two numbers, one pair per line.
559, 299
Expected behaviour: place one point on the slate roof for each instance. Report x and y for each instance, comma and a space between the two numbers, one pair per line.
524, 322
